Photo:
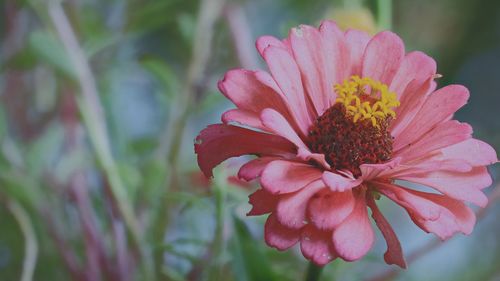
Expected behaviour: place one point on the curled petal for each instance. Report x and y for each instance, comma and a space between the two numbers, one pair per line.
461, 186
317, 246
265, 41
252, 169
242, 117
339, 183
328, 209
291, 208
282, 176
279, 236
464, 216
248, 92
394, 253
439, 214
262, 202
354, 237
371, 171
219, 142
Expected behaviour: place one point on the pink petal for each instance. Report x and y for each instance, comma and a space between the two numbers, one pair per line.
328, 209
283, 176
247, 92
276, 123
461, 186
443, 135
354, 237
265, 41
262, 202
219, 142
394, 253
242, 117
437, 108
416, 205
473, 151
251, 92
307, 48
411, 101
383, 56
371, 171
287, 75
433, 213
464, 216
267, 80
416, 66
339, 183
252, 169
279, 236
292, 207
316, 245
336, 51
356, 41
427, 164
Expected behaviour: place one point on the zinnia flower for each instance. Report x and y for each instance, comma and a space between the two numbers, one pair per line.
341, 119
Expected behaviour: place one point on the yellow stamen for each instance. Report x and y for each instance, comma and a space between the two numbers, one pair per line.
366, 99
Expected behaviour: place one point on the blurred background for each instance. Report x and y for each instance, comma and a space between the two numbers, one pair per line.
101, 101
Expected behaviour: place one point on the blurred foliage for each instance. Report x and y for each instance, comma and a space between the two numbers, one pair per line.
140, 53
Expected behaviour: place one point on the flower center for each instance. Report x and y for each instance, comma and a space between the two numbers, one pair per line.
354, 130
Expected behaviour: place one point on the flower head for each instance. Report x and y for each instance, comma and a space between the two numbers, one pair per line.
341, 119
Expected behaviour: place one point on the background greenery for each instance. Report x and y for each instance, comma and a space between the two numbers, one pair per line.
101, 101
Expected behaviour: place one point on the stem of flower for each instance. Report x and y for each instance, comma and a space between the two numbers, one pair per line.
313, 272
31, 248
94, 119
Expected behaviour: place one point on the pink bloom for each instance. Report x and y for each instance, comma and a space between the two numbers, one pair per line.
340, 117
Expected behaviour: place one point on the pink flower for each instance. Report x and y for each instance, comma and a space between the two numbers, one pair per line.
341, 119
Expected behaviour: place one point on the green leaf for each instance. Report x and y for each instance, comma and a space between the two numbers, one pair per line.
155, 177
211, 100
187, 26
24, 59
131, 178
151, 16
100, 42
49, 49
21, 187
248, 257
163, 73
3, 123
41, 155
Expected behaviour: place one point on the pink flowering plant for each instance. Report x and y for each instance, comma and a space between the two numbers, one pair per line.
335, 145
340, 120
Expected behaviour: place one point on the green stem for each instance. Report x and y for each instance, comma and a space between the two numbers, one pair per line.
313, 272
219, 188
31, 247
95, 122
384, 14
